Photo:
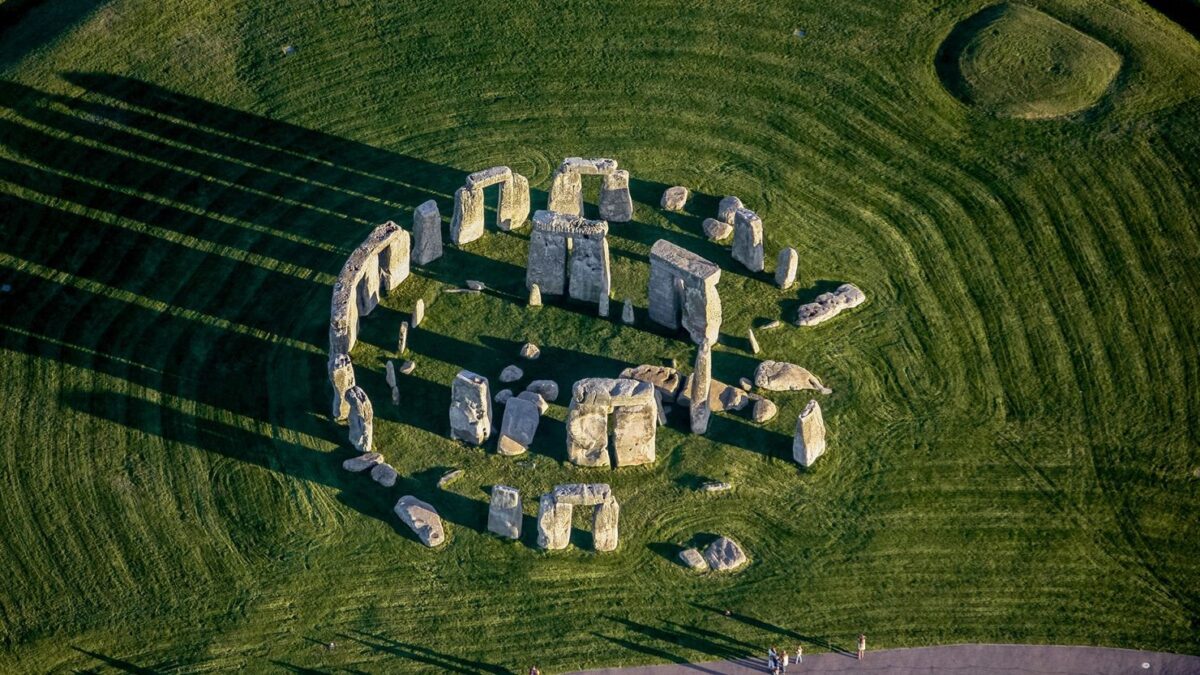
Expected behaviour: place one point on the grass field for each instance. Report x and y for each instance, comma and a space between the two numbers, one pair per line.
1015, 423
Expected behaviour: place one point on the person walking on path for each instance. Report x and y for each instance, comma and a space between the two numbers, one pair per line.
862, 645
772, 660
799, 653
783, 661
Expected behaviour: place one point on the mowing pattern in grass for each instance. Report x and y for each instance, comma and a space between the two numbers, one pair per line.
1014, 428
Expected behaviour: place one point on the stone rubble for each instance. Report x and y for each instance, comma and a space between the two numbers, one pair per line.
530, 351
666, 380
390, 376
518, 426
362, 419
748, 239
715, 486
449, 477
828, 305
511, 374
536, 399
764, 410
727, 209
692, 559
716, 230
407, 367
547, 388
502, 396
754, 348
384, 474
362, 462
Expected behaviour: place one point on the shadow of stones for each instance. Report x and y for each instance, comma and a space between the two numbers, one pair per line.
442, 662
669, 552
673, 636
777, 630
301, 670
725, 429
647, 650
28, 25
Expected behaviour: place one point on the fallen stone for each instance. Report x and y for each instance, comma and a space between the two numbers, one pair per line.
402, 343
470, 408
716, 230
408, 367
781, 376
772, 324
502, 396
764, 411
383, 474
362, 462
547, 388
666, 380
715, 486
828, 305
785, 268
745, 383
511, 374
423, 519
475, 285
518, 427
536, 399
427, 233
505, 512
449, 477
530, 351
535, 296
627, 312
809, 441
727, 209
724, 554
418, 313
733, 398
674, 198
692, 559
754, 349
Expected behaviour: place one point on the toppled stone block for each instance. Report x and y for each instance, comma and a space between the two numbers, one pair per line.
724, 555
692, 559
362, 462
474, 285
634, 407
503, 396
362, 419
785, 268
530, 351
716, 230
828, 305
763, 411
449, 477
384, 474
674, 198
727, 209
511, 374
427, 233
754, 348
666, 380
518, 427
470, 408
809, 441
782, 376
536, 399
547, 388
748, 239
423, 519
505, 512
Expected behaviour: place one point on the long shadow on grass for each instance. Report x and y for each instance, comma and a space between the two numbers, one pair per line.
671, 633
777, 630
413, 652
126, 666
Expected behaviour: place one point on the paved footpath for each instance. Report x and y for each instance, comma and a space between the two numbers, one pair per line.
953, 660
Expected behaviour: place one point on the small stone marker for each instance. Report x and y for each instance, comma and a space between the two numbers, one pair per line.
627, 312
785, 268
450, 477
674, 198
724, 555
423, 519
402, 344
715, 486
809, 442
505, 512
716, 230
383, 474
418, 313
530, 351
781, 376
362, 462
753, 341
535, 296
502, 396
511, 374
727, 208
764, 411
692, 559
408, 367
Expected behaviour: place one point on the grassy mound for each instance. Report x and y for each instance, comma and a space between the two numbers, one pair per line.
1017, 61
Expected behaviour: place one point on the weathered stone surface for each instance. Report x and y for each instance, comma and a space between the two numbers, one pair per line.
389, 373
535, 296
511, 374
514, 203
423, 519
547, 388
536, 399
582, 494
715, 486
470, 408
699, 409
733, 398
785, 268
488, 177
475, 285
590, 268
553, 523
627, 312
394, 261
616, 204
357, 289
809, 441
566, 192
674, 198
502, 396
402, 341
828, 305
466, 225
418, 313
362, 419
745, 383
384, 474
530, 351
504, 512
716, 230
518, 427
748, 239
605, 520
587, 430
782, 376
683, 290
597, 166
362, 462
727, 209
724, 554
754, 348
427, 233
449, 477
666, 380
546, 268
633, 433
341, 377
763, 411
408, 367
692, 559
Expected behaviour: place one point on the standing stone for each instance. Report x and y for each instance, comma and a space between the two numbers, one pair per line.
753, 341
514, 203
418, 313
394, 261
466, 225
566, 192
683, 290
627, 312
616, 204
547, 264
402, 342
362, 419
701, 381
427, 233
423, 519
535, 296
785, 268
590, 273
727, 209
724, 554
390, 375
553, 523
674, 198
587, 428
470, 408
505, 512
666, 380
518, 427
633, 434
716, 230
605, 524
764, 411
341, 376
809, 442
748, 239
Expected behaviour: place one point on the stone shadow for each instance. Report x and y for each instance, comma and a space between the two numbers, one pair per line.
438, 661
776, 630
124, 666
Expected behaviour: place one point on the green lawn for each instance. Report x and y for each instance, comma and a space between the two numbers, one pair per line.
1015, 424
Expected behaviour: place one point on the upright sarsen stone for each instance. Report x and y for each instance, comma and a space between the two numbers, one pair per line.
727, 209
427, 233
616, 204
341, 377
518, 426
590, 273
362, 419
785, 268
748, 239
605, 525
809, 442
470, 408
683, 290
553, 523
701, 383
505, 512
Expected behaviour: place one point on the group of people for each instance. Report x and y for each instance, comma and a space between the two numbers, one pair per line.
777, 660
